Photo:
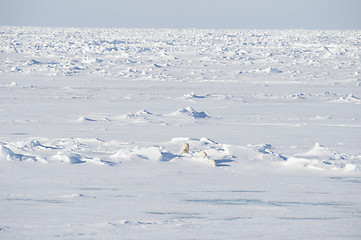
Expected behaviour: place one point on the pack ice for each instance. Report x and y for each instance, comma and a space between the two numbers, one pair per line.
93, 121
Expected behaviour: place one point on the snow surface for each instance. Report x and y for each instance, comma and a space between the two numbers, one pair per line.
92, 122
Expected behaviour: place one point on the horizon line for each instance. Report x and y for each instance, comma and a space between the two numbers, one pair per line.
185, 28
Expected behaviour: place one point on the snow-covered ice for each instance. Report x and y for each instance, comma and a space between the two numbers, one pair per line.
92, 123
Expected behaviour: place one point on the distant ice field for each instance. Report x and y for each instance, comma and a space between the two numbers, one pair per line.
92, 122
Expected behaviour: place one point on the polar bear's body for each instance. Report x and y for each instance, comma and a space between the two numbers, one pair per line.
185, 148
204, 155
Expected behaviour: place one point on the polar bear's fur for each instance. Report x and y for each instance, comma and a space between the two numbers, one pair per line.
204, 155
185, 148
212, 162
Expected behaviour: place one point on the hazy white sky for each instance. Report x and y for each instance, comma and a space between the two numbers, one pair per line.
261, 14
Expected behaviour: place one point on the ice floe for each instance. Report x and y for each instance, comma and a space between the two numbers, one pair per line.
90, 119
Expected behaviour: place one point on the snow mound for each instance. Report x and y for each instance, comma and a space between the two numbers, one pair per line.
33, 62
74, 195
88, 60
141, 117
349, 99
193, 95
74, 158
84, 119
67, 158
236, 157
322, 152
321, 118
297, 96
12, 84
146, 153
267, 149
33, 144
323, 158
150, 153
7, 154
272, 70
268, 70
140, 113
214, 96
190, 112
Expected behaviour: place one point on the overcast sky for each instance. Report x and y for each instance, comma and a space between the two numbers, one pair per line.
238, 14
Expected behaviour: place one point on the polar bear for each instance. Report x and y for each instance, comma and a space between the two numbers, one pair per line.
212, 162
185, 148
204, 155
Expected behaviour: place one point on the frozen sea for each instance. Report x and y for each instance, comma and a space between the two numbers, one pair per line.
92, 122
